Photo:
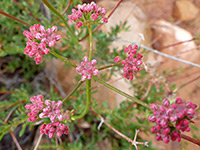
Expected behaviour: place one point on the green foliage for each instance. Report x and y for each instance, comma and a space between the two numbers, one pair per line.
126, 118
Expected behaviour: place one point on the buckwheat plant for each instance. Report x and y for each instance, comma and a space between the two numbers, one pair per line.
171, 118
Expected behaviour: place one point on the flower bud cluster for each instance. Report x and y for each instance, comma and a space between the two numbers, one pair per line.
41, 108
132, 62
39, 40
171, 119
88, 13
87, 68
52, 128
36, 106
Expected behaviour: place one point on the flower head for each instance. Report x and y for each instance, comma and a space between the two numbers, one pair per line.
54, 128
132, 62
87, 69
34, 108
88, 13
39, 41
52, 111
171, 119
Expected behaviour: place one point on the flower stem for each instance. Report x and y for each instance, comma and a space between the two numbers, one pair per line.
109, 66
48, 4
88, 91
88, 82
62, 58
73, 91
91, 41
190, 139
121, 92
14, 18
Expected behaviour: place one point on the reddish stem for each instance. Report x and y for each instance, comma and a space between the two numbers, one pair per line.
119, 2
15, 140
115, 130
12, 105
63, 11
12, 17
8, 92
178, 43
29, 12
190, 139
66, 7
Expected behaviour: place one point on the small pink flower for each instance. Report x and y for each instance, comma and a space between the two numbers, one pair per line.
79, 24
117, 59
52, 111
36, 106
45, 38
87, 69
94, 16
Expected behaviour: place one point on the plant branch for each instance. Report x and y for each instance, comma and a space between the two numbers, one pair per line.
15, 140
133, 142
121, 93
178, 43
109, 66
190, 139
63, 59
73, 91
38, 141
48, 4
63, 12
66, 7
12, 17
88, 91
29, 12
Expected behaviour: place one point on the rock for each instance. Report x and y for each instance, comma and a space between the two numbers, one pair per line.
135, 17
180, 73
171, 34
185, 10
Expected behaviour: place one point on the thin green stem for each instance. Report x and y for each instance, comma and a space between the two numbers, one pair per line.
91, 41
109, 66
73, 91
62, 58
121, 92
88, 82
48, 4
87, 106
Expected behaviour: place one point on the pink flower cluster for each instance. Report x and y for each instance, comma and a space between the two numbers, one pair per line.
88, 13
36, 106
52, 128
47, 109
132, 62
87, 69
170, 119
39, 40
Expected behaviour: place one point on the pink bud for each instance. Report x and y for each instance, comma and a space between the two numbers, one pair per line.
154, 107
79, 24
152, 118
117, 59
51, 135
166, 103
178, 100
54, 29
166, 139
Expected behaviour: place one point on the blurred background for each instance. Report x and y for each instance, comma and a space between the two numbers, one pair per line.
170, 26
